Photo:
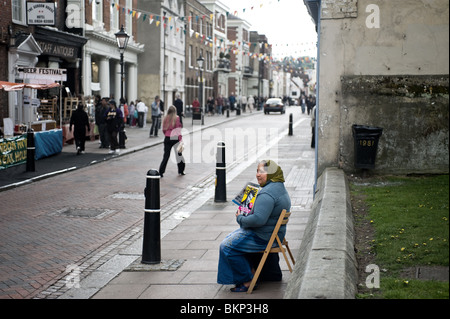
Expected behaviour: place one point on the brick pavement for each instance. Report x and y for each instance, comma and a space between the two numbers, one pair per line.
32, 264
196, 239
38, 241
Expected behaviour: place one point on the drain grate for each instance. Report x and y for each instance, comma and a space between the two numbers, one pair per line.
83, 212
164, 265
128, 196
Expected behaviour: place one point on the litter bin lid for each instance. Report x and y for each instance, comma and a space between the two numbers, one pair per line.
366, 130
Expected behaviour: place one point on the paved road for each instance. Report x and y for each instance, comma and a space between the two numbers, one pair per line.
81, 217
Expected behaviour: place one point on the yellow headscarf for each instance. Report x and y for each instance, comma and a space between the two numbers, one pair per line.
274, 172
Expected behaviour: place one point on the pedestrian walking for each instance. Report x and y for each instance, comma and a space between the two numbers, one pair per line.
303, 103
250, 103
114, 121
313, 127
232, 100
100, 120
80, 121
132, 112
219, 104
156, 116
255, 229
179, 106
196, 105
310, 103
210, 104
124, 109
244, 103
142, 109
173, 137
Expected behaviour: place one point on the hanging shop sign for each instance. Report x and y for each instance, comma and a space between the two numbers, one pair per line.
41, 13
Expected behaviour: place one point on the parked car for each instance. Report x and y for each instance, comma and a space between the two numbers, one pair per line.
274, 105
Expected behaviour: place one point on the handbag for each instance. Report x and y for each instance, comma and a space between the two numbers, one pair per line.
180, 147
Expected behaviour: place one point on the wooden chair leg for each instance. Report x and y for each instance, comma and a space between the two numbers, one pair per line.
290, 254
284, 254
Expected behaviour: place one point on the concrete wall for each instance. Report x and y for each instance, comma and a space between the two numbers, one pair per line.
393, 39
326, 266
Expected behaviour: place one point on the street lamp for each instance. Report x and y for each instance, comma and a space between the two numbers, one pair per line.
200, 62
122, 41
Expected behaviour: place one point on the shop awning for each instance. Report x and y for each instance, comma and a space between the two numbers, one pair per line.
9, 86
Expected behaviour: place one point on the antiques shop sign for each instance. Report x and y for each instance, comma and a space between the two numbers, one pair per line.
13, 151
59, 50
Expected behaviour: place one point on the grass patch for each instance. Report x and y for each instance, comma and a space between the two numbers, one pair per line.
408, 226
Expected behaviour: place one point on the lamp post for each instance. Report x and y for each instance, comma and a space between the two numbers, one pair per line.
122, 41
200, 62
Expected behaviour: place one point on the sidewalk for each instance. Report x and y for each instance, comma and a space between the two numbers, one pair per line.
193, 228
137, 139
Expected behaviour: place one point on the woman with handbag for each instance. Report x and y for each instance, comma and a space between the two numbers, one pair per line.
172, 132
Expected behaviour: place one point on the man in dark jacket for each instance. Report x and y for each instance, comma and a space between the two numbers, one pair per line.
100, 120
80, 120
179, 106
114, 122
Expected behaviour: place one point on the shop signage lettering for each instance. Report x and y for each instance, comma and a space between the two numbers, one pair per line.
58, 50
42, 74
13, 151
41, 13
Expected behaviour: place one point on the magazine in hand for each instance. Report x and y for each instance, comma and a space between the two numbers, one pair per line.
246, 198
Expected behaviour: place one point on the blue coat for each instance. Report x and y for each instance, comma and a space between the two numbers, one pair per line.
269, 204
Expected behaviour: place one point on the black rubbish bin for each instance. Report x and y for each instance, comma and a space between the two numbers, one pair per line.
366, 145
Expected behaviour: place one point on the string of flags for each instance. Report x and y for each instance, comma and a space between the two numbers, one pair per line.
184, 24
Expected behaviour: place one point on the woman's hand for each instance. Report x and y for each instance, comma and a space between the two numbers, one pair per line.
238, 212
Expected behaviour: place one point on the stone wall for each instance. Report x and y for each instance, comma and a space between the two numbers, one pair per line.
326, 266
414, 114
391, 50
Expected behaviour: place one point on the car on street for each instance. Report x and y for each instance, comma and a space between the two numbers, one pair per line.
274, 105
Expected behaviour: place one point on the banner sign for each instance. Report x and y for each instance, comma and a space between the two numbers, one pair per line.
13, 151
41, 13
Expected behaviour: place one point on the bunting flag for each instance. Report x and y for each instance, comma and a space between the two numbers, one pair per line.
175, 24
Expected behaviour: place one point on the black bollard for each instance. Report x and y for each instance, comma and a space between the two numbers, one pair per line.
221, 186
151, 248
290, 124
31, 150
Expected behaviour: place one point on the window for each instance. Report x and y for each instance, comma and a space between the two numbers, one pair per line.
190, 56
19, 11
175, 70
128, 19
97, 11
114, 19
